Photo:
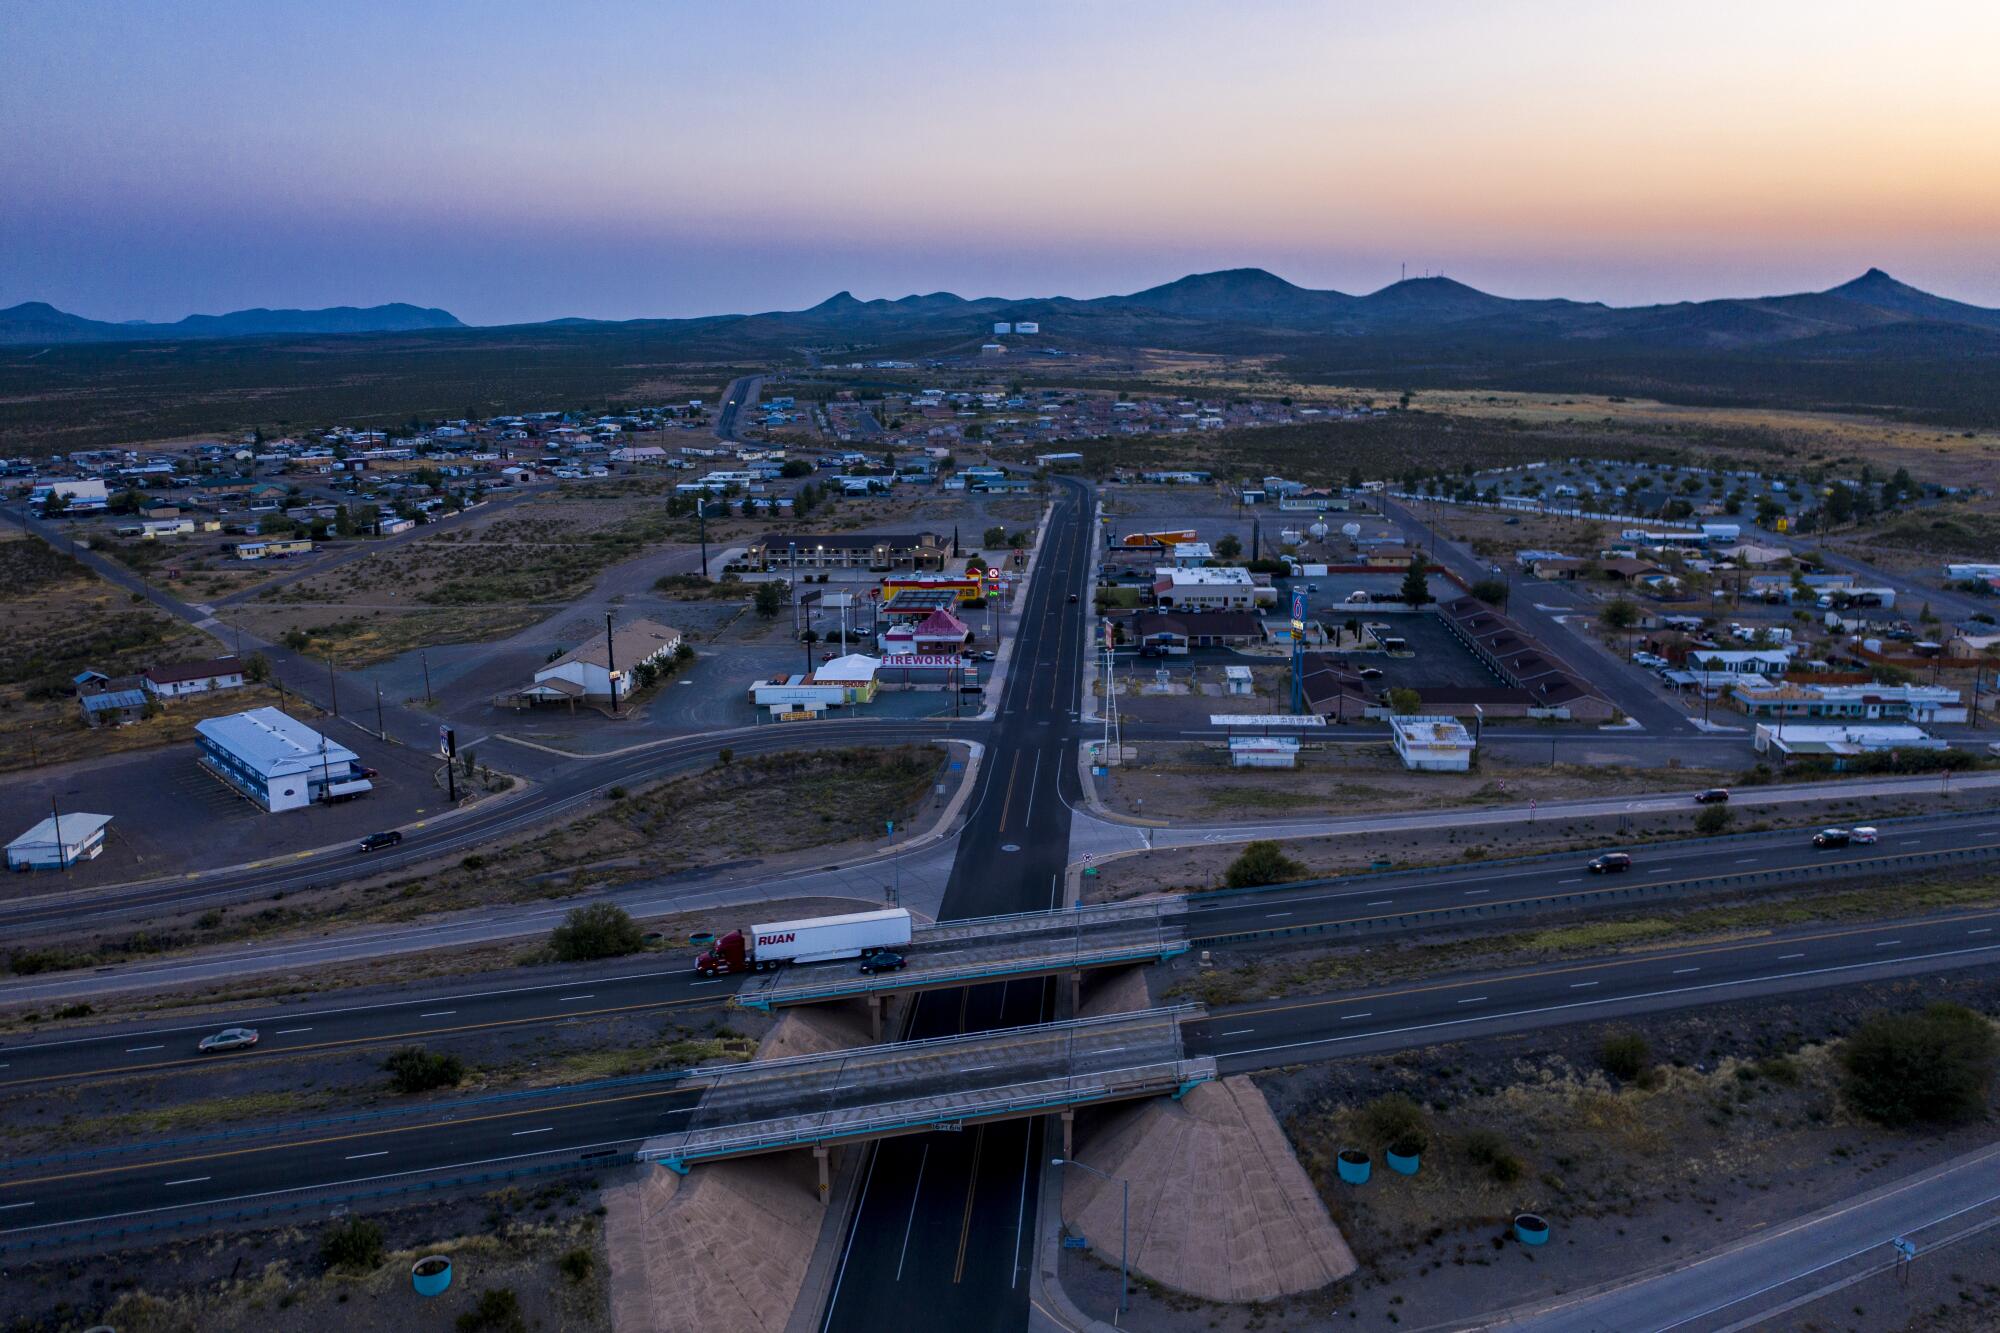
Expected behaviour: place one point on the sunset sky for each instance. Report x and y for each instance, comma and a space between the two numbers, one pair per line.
525, 161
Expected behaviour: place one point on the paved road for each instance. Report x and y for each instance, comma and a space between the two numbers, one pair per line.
1741, 1285
1479, 896
969, 1190
737, 399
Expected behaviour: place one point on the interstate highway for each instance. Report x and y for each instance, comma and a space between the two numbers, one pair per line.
1404, 901
466, 1135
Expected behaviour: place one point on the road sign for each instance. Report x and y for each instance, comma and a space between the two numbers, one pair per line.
1075, 1243
1906, 1248
1298, 611
447, 743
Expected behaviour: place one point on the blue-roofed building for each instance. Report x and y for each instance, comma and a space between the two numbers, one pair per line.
280, 763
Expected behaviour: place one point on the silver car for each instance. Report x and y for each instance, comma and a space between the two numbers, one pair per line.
229, 1039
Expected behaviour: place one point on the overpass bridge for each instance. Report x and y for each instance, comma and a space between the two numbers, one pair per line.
946, 1083
994, 948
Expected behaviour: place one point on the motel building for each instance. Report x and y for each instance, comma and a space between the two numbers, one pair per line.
279, 763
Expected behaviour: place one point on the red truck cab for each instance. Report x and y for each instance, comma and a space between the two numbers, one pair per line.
728, 954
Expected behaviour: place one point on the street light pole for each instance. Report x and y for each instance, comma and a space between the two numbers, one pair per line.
1124, 1228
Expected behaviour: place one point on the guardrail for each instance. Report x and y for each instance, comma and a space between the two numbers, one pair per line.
58, 1236
1431, 916
1610, 842
1035, 1097
280, 1128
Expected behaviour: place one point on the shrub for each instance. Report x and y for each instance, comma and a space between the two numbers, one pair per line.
497, 1311
1485, 1148
1409, 1145
1929, 1066
414, 1069
577, 1265
601, 930
1392, 1118
1625, 1055
354, 1244
1262, 862
1713, 819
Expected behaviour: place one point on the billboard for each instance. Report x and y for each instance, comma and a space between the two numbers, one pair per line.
1298, 614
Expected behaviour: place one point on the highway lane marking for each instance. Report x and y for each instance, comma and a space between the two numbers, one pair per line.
1238, 1032
563, 999
1007, 806
1574, 985
545, 1129
1273, 916
915, 1191
130, 1049
1474, 893
1679, 970
1433, 911
1787, 957
1474, 1000
1594, 1003
1883, 944
441, 1013
1321, 1002
286, 1032
10, 1207
295, 1144
971, 1192
1349, 1018
363, 1155
334, 1043
1746, 861
1381, 902
191, 1180
1983, 930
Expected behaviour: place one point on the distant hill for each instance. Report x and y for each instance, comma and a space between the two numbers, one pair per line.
40, 322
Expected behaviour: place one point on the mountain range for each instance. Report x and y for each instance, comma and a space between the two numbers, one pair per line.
1233, 309
40, 322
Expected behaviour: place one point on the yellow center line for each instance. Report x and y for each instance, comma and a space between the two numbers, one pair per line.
971, 1192
1008, 805
291, 1145
1666, 955
1552, 892
304, 1047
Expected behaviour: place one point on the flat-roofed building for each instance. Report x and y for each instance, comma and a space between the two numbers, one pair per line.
58, 842
278, 761
1433, 744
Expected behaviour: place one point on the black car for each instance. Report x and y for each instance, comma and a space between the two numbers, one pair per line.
1832, 837
884, 961
375, 842
1712, 796
1072, 597
1610, 863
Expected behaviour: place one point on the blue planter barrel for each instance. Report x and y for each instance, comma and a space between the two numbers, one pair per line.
1353, 1165
1404, 1166
431, 1276
1530, 1229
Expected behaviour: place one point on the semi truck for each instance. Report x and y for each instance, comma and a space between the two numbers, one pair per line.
811, 940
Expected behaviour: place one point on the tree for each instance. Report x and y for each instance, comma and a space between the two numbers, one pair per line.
1625, 1055
993, 537
1229, 547
1621, 613
1493, 591
1934, 1065
601, 930
1262, 862
1416, 585
1713, 820
128, 501
1405, 702
770, 599
258, 669
796, 467
414, 1069
55, 502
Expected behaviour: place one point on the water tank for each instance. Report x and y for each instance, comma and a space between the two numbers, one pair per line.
1318, 531
1351, 531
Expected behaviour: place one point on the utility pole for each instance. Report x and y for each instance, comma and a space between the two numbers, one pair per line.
425, 656
55, 816
380, 730
610, 663
332, 686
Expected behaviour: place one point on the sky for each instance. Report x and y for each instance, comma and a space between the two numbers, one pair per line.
515, 161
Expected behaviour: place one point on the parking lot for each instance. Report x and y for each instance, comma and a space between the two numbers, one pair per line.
1439, 661
171, 816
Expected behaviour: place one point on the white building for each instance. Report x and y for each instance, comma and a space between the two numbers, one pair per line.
1432, 744
1237, 680
1026, 326
1264, 751
1229, 588
1192, 555
280, 763
599, 667
1002, 326
184, 678
1916, 703
845, 680
1791, 739
58, 842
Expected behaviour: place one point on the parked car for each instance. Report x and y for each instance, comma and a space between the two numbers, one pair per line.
885, 960
229, 1039
1370, 673
1713, 796
375, 842
1610, 863
1865, 833
987, 655
1832, 837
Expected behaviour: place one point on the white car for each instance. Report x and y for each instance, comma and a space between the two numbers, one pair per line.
229, 1039
1865, 833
